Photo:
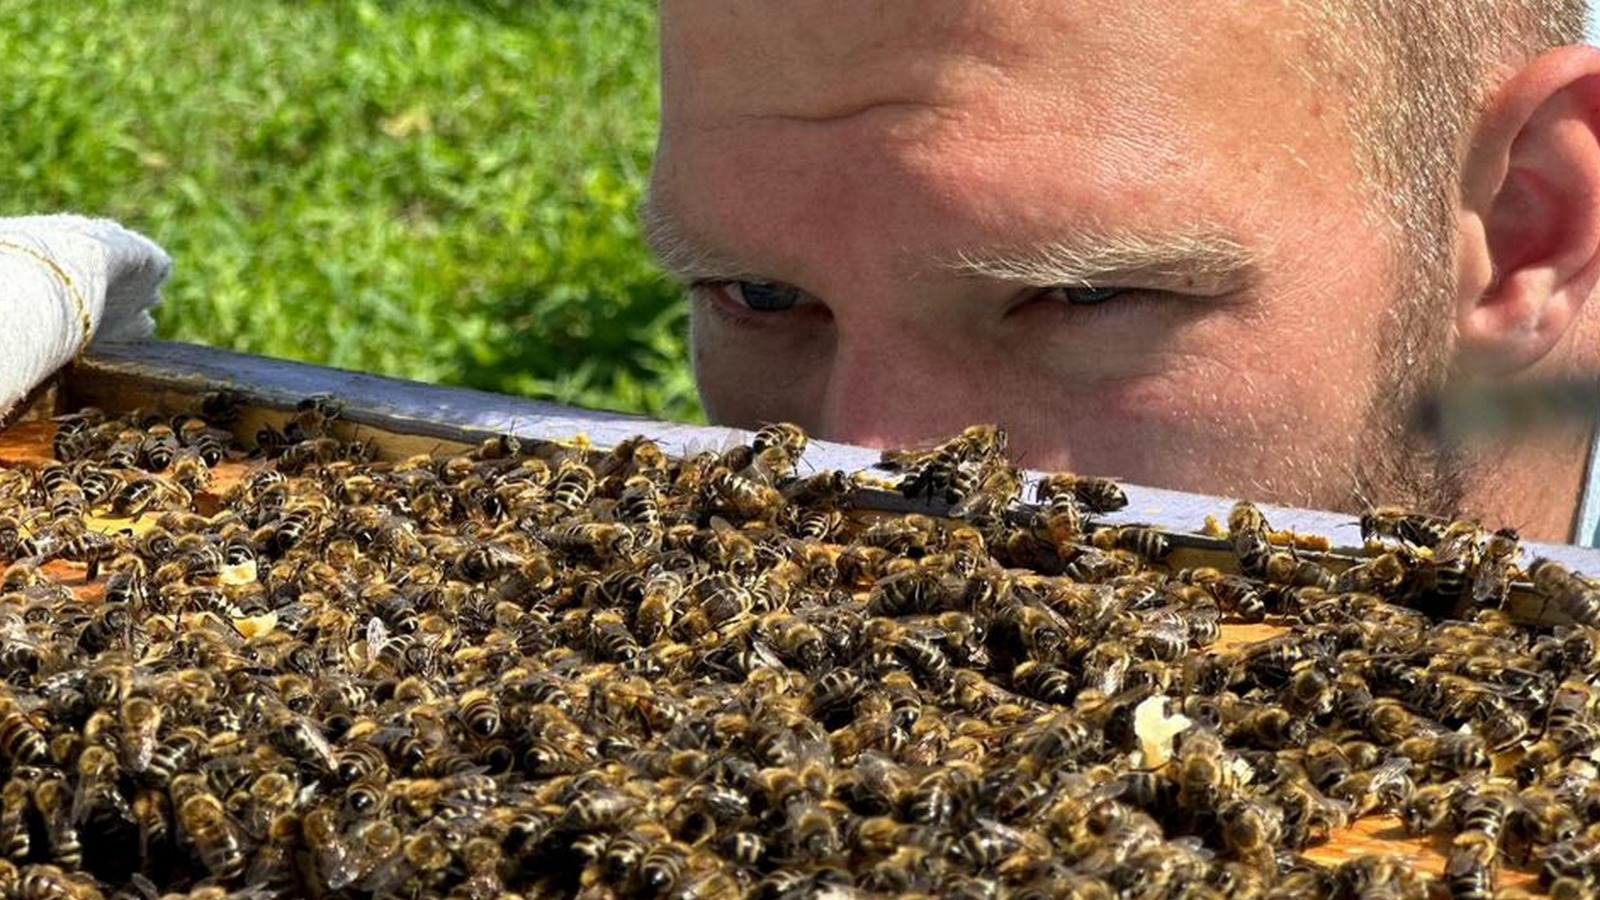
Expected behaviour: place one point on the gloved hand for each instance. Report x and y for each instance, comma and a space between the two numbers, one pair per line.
65, 281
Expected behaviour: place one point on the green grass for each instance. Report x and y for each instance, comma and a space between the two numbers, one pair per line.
443, 191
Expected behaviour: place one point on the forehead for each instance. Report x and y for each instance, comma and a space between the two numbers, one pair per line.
938, 119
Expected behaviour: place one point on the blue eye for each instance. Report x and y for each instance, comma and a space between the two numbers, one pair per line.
763, 296
1089, 296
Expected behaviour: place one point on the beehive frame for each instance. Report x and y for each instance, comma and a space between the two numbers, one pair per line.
404, 417
401, 418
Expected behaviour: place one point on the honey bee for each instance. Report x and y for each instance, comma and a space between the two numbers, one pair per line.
325, 842
925, 659
1091, 565
944, 471
1044, 681
300, 456
860, 565
1471, 865
602, 542
640, 502
572, 486
43, 881
725, 548
194, 434
22, 741
664, 593
24, 574
213, 835
1286, 568
1307, 815
637, 455
68, 503
157, 449
124, 450
1271, 728
139, 494
1204, 773
1250, 830
786, 435
174, 754
830, 489
301, 738
1381, 574
797, 641
139, 731
997, 489
744, 848
1096, 495
662, 868
1492, 580
595, 810
1388, 721
371, 845
1560, 742
1416, 529
1149, 543
723, 598
942, 798
16, 803
915, 591
1568, 592
1247, 534
834, 691
311, 418
480, 712
53, 800
97, 788
818, 524
741, 497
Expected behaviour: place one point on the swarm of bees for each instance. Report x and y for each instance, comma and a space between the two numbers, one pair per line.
557, 671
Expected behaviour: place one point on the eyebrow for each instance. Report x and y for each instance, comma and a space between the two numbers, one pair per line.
1202, 258
681, 255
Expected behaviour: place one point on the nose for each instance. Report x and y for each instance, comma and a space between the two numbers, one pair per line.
896, 387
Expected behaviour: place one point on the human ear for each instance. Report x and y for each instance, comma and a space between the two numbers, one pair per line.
1530, 237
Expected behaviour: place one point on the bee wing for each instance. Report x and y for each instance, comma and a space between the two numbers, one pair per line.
898, 460
765, 653
1489, 582
14, 632
385, 875
979, 503
1390, 770
268, 865
82, 801
320, 745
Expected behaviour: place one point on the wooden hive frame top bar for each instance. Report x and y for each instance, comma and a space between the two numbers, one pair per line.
172, 375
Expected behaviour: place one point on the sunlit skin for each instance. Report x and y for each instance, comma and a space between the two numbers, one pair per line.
860, 151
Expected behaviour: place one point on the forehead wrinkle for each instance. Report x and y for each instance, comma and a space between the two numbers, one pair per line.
1202, 259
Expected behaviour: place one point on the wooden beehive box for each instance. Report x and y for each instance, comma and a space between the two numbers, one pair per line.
402, 419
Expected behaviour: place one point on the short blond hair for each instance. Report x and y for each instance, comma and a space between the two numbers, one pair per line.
1418, 73
1413, 76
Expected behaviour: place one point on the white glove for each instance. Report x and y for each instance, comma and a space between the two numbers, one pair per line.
65, 281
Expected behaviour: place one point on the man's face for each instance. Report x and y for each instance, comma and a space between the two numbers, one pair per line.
1133, 237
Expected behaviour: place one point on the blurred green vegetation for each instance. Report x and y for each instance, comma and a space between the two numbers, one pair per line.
443, 191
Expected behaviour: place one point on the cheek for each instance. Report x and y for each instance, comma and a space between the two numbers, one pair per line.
715, 367
748, 380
